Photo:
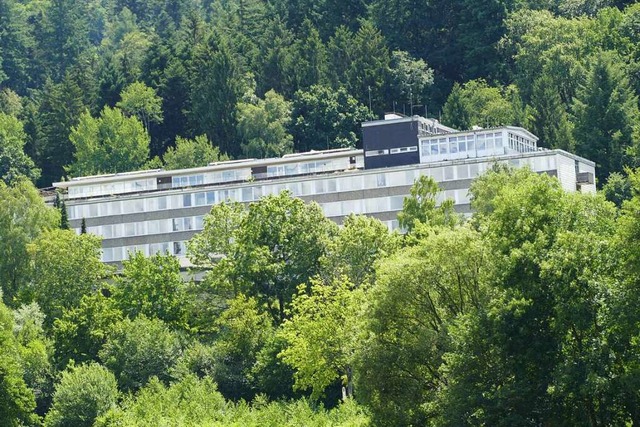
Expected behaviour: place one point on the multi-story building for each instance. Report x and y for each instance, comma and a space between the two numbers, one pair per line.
158, 210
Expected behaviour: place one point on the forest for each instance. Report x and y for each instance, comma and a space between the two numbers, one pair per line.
103, 86
525, 314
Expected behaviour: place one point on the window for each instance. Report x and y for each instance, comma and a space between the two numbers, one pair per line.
178, 248
199, 222
162, 203
188, 223
448, 173
211, 197
381, 180
107, 254
177, 224
200, 199
130, 229
373, 153
153, 227
186, 200
247, 194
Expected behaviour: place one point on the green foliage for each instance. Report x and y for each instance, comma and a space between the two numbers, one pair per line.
421, 290
141, 101
617, 189
66, 266
83, 394
549, 119
16, 399
262, 126
243, 330
152, 287
276, 246
475, 103
606, 114
36, 351
422, 208
323, 118
108, 144
81, 331
23, 217
410, 76
197, 402
321, 335
139, 349
215, 91
192, 153
361, 242
14, 163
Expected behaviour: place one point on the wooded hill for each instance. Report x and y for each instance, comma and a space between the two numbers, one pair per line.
263, 78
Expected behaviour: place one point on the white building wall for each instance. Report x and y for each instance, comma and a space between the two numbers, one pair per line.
566, 172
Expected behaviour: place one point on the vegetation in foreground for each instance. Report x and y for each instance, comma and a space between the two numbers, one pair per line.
524, 314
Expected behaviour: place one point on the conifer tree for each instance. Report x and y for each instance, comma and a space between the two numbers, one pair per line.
606, 116
549, 120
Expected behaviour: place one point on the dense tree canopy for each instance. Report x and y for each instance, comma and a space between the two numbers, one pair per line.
525, 314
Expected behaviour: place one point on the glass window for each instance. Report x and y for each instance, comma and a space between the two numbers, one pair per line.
381, 180
161, 203
93, 210
211, 197
443, 148
448, 173
396, 203
165, 225
332, 209
186, 200
192, 180
200, 199
153, 227
107, 231
178, 248
331, 185
177, 224
107, 255
437, 174
463, 171
130, 229
453, 146
188, 223
138, 205
473, 170
199, 222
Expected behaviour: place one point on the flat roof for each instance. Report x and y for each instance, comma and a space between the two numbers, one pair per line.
213, 167
383, 122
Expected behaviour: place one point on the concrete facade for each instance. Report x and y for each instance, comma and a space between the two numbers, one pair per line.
158, 211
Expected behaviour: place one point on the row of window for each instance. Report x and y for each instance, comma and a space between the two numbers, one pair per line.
384, 152
178, 248
145, 228
216, 177
331, 209
320, 185
521, 144
122, 253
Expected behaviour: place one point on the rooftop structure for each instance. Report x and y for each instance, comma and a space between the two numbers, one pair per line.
158, 211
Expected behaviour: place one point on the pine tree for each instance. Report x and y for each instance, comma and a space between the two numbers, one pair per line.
549, 119
606, 117
64, 217
83, 226
215, 90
